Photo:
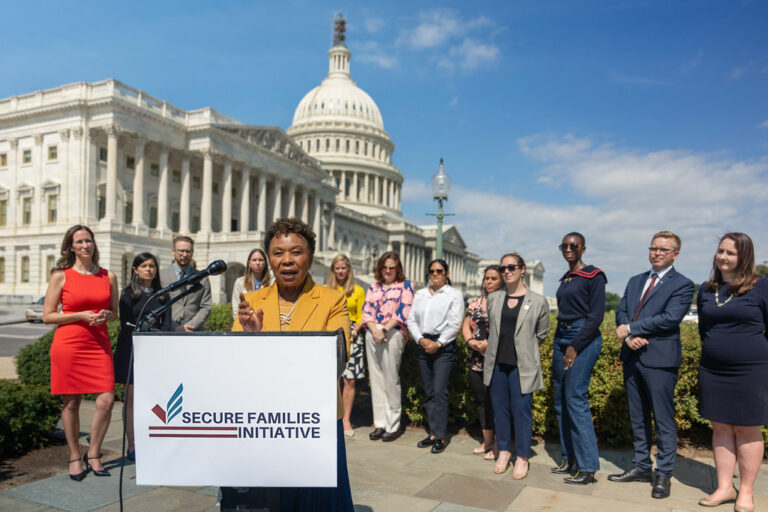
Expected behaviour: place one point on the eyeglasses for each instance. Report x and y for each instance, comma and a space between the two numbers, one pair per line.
388, 268
437, 271
183, 251
511, 268
662, 250
565, 247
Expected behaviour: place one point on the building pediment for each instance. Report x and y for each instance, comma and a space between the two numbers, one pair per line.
274, 140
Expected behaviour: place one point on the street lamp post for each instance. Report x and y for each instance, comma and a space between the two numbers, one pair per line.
441, 184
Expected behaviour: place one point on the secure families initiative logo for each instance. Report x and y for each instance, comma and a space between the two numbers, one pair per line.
172, 408
232, 424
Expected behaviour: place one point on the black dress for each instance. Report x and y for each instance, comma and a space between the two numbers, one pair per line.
733, 370
130, 309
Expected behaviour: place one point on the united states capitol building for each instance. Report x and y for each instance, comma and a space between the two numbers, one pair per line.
139, 171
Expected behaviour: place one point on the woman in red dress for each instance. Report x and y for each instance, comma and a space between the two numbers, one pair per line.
81, 355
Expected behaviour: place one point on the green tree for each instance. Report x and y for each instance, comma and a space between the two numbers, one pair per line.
612, 301
762, 270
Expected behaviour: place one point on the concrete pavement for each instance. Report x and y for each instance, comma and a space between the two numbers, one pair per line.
398, 476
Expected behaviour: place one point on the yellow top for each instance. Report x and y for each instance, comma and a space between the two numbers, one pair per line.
318, 308
355, 304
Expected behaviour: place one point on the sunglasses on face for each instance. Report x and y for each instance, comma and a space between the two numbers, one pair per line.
565, 247
388, 268
511, 268
437, 271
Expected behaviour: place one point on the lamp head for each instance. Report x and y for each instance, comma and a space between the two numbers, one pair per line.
441, 183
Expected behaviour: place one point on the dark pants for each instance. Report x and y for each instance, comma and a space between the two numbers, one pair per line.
509, 403
483, 399
571, 404
652, 391
435, 371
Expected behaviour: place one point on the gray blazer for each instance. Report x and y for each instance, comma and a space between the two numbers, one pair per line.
192, 309
530, 331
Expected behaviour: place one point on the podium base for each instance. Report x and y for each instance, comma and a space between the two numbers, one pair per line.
250, 499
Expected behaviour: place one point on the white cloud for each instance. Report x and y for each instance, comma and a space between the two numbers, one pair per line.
764, 124
374, 25
472, 54
416, 191
369, 52
436, 27
618, 197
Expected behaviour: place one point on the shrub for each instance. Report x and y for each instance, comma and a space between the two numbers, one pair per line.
220, 319
28, 414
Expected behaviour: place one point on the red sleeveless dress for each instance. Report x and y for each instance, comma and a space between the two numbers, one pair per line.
81, 355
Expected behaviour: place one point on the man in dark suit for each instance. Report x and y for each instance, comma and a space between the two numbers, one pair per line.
648, 319
190, 313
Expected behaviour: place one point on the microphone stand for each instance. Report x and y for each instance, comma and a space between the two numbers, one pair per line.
145, 323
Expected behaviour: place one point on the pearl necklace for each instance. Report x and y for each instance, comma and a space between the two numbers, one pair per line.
717, 299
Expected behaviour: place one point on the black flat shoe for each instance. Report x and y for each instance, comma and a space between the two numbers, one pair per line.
388, 437
426, 442
376, 434
96, 472
78, 477
661, 487
632, 474
566, 466
581, 478
438, 445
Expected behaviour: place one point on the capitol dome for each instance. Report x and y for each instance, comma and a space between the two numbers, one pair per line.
341, 126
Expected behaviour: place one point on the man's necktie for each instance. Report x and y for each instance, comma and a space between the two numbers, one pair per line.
645, 296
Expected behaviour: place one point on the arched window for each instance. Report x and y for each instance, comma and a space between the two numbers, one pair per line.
317, 145
327, 144
357, 147
338, 146
365, 149
347, 146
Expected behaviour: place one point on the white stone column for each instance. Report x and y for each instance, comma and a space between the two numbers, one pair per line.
304, 202
377, 190
420, 258
391, 195
111, 189
245, 200
138, 183
184, 202
397, 196
13, 167
226, 199
39, 207
316, 225
64, 196
354, 196
291, 199
261, 216
332, 227
162, 190
366, 188
206, 204
277, 211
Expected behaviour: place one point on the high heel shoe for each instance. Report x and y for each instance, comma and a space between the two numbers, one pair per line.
78, 477
96, 472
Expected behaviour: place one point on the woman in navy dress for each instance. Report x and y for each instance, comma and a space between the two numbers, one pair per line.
581, 307
733, 316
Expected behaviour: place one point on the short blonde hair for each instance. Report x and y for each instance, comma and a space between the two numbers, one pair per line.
668, 234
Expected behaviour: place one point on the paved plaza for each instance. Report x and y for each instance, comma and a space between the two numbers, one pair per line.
399, 477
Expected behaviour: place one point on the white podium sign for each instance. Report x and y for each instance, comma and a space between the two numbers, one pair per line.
238, 410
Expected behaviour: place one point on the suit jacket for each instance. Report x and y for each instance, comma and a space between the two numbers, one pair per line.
659, 319
192, 309
530, 331
318, 308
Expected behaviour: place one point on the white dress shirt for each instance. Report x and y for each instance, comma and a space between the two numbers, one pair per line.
440, 313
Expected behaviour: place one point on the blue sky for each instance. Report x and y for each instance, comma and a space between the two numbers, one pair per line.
615, 119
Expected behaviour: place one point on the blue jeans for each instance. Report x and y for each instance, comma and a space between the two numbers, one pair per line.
510, 404
577, 433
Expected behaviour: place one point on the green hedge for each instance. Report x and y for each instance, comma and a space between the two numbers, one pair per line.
28, 414
606, 391
220, 319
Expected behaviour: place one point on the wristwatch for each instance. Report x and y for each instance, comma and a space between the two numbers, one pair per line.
439, 343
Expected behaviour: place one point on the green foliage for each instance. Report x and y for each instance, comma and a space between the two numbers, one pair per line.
28, 414
606, 391
612, 301
220, 319
762, 270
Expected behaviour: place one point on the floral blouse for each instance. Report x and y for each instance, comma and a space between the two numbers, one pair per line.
395, 302
476, 311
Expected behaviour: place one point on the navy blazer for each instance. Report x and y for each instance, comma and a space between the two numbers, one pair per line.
659, 319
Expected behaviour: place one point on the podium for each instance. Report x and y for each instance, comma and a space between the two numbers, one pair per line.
236, 409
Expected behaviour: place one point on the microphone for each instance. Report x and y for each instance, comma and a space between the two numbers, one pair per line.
214, 269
